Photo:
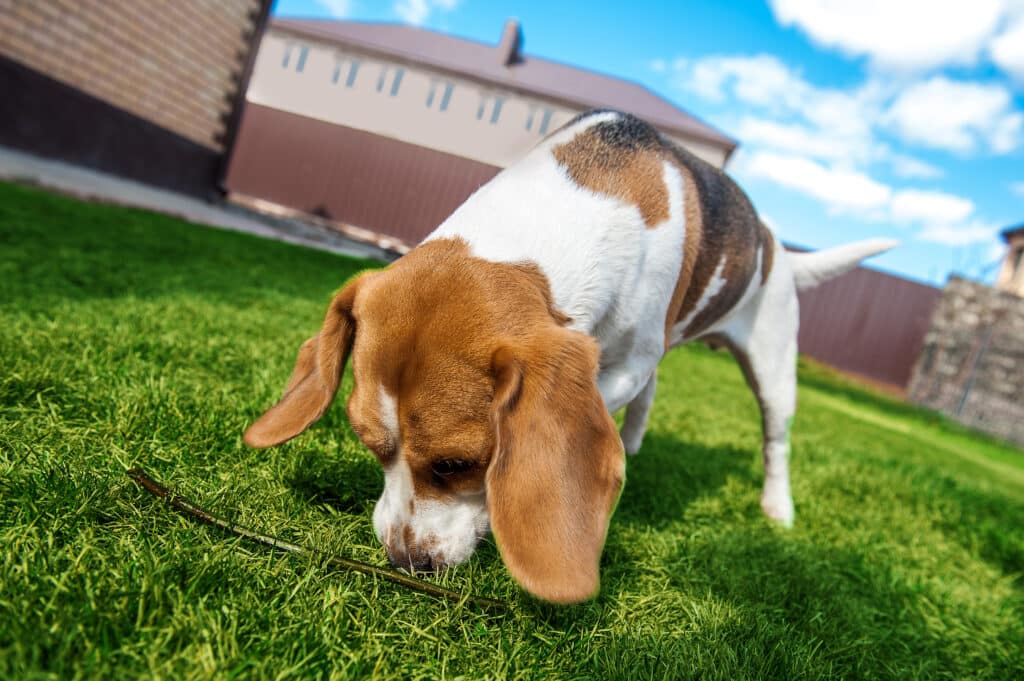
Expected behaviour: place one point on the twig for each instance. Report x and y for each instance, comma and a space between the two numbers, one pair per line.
188, 508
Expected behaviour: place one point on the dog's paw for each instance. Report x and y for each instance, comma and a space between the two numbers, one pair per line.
778, 506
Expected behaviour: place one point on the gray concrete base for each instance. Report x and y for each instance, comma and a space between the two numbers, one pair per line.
91, 185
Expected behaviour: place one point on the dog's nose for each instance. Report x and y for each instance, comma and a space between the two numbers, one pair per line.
422, 563
414, 561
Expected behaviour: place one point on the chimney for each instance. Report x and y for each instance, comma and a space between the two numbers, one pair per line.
511, 43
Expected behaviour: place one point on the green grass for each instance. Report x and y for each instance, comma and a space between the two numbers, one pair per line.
128, 338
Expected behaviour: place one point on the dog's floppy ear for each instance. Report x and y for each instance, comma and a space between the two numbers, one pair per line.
558, 465
315, 379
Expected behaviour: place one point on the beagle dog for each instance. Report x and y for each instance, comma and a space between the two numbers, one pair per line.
488, 360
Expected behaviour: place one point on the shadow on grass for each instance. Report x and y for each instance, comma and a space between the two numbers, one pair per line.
769, 606
667, 475
348, 485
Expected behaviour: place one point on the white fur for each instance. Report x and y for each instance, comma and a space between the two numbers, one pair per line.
450, 530
614, 276
389, 414
810, 269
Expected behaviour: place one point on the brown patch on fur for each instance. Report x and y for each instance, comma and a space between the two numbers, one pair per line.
730, 233
767, 253
630, 173
691, 247
539, 280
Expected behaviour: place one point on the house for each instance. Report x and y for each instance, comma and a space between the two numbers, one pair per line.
149, 91
1011, 276
388, 128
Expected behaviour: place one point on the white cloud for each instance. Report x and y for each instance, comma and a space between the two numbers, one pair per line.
996, 251
825, 142
840, 189
416, 11
762, 80
339, 9
956, 116
910, 205
912, 168
1017, 188
1007, 49
936, 216
794, 138
904, 35
957, 235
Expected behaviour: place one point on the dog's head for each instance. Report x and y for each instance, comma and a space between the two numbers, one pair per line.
482, 408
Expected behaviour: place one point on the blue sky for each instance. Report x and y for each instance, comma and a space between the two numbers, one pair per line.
856, 118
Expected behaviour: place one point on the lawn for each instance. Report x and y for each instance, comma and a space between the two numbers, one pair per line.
128, 338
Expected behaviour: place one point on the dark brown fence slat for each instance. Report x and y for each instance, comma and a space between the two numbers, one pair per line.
347, 175
867, 322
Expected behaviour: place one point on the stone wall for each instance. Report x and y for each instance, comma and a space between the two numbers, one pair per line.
972, 364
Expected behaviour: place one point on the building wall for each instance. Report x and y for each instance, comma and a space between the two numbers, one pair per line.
143, 89
408, 102
175, 64
972, 363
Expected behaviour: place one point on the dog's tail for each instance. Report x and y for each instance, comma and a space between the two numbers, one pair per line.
815, 267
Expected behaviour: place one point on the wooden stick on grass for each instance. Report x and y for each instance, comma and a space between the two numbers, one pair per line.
179, 503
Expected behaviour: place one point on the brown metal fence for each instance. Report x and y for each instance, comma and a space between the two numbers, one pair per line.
350, 176
867, 322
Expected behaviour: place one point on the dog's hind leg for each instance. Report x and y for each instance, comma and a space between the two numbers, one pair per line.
635, 424
763, 340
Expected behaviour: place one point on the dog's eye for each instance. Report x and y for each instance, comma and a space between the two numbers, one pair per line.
446, 467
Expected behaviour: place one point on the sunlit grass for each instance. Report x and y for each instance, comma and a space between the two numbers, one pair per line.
128, 338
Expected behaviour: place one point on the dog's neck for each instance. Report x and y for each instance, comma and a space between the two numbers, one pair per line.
523, 217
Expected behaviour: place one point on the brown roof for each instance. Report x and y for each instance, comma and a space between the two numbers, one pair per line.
1011, 232
524, 73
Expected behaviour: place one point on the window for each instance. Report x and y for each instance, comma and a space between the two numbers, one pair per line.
396, 81
545, 121
545, 118
352, 71
300, 63
492, 102
446, 94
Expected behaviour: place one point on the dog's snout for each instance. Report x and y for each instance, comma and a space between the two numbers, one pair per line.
414, 560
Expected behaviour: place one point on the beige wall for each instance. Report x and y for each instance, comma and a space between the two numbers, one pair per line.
174, 63
320, 90
1011, 276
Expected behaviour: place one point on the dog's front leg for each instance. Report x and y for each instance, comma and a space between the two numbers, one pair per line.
620, 384
635, 424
